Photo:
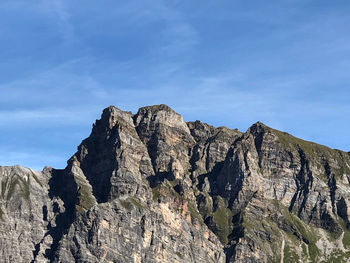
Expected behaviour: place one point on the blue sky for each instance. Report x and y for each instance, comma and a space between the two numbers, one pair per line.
285, 63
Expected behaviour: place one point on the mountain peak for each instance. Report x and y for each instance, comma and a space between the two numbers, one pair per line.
156, 115
220, 195
155, 108
258, 128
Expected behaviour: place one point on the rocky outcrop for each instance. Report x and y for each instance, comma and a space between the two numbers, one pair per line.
26, 214
285, 191
133, 222
149, 187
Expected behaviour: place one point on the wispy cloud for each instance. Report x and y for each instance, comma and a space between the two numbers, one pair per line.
58, 9
227, 63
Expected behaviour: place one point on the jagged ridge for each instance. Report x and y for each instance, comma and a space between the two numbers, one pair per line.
149, 187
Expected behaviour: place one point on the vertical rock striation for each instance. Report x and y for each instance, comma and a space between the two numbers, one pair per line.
122, 158
149, 187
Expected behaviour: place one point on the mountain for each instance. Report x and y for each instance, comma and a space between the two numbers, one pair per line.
149, 187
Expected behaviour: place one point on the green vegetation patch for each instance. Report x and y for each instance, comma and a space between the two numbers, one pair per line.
194, 213
11, 183
136, 203
315, 152
290, 256
4, 184
254, 226
25, 187
337, 257
86, 200
293, 143
346, 239
126, 204
222, 217
305, 231
130, 203
15, 182
155, 193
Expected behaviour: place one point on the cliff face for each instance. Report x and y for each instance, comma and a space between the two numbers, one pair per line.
149, 187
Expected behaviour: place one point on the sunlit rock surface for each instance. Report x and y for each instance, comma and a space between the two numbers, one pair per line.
149, 187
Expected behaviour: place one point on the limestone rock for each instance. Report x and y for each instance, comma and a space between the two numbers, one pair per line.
149, 187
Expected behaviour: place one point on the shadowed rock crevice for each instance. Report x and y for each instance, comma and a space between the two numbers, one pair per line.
66, 214
94, 155
304, 181
150, 187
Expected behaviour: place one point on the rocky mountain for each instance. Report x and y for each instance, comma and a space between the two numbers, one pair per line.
149, 187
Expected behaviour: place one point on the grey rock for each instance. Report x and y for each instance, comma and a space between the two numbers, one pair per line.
149, 187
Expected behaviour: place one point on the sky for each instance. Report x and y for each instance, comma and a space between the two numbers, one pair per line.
229, 63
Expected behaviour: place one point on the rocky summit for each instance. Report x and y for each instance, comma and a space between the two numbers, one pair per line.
149, 187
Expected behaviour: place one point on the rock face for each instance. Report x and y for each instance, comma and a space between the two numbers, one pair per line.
149, 187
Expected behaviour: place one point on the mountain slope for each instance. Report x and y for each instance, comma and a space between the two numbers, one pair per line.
149, 187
